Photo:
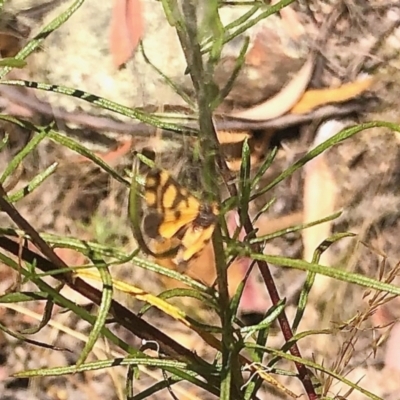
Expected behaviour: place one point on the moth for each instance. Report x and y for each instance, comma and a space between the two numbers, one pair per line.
176, 216
231, 143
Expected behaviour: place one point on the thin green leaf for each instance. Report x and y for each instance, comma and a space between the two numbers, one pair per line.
207, 45
226, 382
12, 63
214, 24
171, 11
78, 148
179, 369
157, 387
151, 266
98, 365
257, 355
254, 385
85, 247
59, 271
46, 317
206, 300
33, 184
234, 305
295, 228
264, 167
270, 317
244, 183
106, 298
301, 306
4, 141
148, 161
336, 273
177, 89
248, 22
23, 338
185, 375
98, 101
21, 123
236, 70
21, 297
17, 159
298, 336
245, 17
131, 372
263, 210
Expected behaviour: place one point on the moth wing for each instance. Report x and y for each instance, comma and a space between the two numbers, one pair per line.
193, 242
175, 220
173, 211
166, 245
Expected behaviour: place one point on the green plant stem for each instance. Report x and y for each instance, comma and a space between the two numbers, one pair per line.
206, 92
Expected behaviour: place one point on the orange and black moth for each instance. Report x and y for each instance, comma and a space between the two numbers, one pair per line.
175, 215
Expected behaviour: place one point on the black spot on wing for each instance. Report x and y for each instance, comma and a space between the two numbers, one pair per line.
153, 179
153, 185
177, 214
181, 195
151, 225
